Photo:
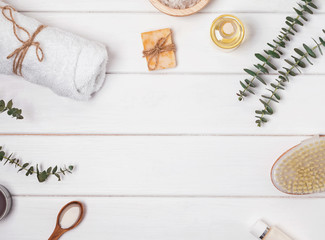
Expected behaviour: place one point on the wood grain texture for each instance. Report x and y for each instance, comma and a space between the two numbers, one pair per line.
196, 53
185, 166
145, 6
170, 155
157, 104
151, 103
165, 218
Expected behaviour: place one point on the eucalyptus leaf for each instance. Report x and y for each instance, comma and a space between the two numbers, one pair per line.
11, 111
274, 52
284, 76
309, 51
42, 176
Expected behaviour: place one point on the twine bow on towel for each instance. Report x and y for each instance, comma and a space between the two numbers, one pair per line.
20, 53
159, 48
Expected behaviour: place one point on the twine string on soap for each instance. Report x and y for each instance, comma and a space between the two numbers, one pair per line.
159, 48
20, 53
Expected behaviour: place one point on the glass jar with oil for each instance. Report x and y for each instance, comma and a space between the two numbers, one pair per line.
227, 32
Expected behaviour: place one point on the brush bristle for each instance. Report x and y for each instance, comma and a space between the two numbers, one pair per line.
302, 169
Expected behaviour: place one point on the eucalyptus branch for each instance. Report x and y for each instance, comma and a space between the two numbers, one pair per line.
274, 51
283, 77
11, 111
42, 176
30, 170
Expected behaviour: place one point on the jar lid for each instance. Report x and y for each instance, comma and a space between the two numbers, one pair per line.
8, 202
259, 229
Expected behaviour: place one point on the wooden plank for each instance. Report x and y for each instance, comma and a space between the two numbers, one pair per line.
165, 219
196, 53
184, 166
145, 6
160, 104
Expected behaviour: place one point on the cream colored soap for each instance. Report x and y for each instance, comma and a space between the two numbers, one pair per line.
166, 59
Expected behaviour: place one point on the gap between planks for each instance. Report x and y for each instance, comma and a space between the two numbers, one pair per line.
153, 135
203, 73
157, 12
171, 196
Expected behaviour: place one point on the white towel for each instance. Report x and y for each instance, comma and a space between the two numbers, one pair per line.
72, 66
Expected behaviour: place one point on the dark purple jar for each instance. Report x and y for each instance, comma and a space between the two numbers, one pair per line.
5, 202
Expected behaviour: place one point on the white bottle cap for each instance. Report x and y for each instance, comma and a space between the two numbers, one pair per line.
259, 229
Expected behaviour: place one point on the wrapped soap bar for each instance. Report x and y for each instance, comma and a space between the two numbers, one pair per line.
159, 49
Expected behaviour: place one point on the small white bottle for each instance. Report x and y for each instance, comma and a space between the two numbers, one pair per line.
263, 231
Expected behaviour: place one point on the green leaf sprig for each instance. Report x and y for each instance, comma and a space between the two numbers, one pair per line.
274, 51
42, 176
30, 170
300, 61
11, 111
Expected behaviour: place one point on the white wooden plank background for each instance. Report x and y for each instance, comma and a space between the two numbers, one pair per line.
160, 104
144, 6
156, 165
121, 33
166, 218
165, 155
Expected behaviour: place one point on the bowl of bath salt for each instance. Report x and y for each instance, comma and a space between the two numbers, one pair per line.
179, 8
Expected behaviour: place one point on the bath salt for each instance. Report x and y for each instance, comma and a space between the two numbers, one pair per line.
70, 216
180, 4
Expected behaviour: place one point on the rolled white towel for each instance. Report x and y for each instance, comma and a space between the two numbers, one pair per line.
71, 66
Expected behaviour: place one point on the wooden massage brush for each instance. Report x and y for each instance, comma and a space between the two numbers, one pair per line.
301, 169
